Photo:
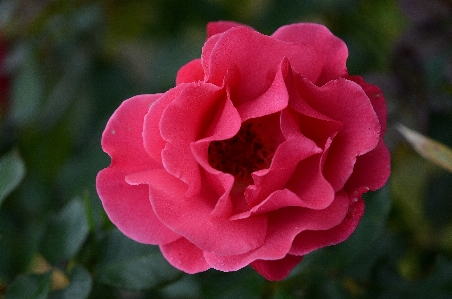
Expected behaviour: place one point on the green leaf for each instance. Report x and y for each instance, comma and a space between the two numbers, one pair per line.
245, 283
127, 264
79, 286
65, 233
12, 172
436, 285
430, 149
27, 91
30, 286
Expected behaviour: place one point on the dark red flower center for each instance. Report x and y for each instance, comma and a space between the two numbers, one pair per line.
248, 151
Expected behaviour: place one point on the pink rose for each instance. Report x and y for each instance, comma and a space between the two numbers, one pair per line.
258, 156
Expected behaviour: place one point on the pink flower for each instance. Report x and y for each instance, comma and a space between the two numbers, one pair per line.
258, 156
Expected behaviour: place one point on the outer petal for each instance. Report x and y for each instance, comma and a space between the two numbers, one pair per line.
283, 226
308, 241
128, 206
344, 101
376, 98
278, 269
190, 217
191, 72
185, 256
371, 170
152, 139
256, 57
333, 50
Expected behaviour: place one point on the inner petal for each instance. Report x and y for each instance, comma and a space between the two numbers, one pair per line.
250, 150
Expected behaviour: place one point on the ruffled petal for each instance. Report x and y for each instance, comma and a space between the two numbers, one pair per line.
152, 139
256, 57
284, 162
283, 226
191, 72
346, 102
225, 124
278, 269
333, 51
310, 185
275, 99
308, 241
185, 256
128, 206
190, 217
371, 170
376, 98
183, 121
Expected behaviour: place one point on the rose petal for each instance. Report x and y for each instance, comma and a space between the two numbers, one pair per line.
301, 118
183, 121
344, 101
185, 256
152, 140
128, 206
225, 124
333, 51
371, 170
207, 49
275, 99
284, 162
278, 269
283, 226
311, 186
191, 72
256, 56
308, 241
376, 98
188, 216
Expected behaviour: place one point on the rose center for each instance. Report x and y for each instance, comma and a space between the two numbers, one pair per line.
241, 155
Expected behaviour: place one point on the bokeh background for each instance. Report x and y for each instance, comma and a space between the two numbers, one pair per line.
66, 65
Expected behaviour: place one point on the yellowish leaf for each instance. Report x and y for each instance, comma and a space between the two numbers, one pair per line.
430, 149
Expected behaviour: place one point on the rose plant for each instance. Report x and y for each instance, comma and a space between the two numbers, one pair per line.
259, 155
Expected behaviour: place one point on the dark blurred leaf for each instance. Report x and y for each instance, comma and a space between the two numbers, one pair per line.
438, 207
245, 283
30, 286
65, 233
366, 245
185, 288
437, 285
130, 265
27, 92
12, 171
79, 286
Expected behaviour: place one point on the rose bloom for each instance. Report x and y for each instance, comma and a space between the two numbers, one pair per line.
258, 156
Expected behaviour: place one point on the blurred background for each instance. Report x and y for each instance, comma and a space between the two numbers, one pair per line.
66, 65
